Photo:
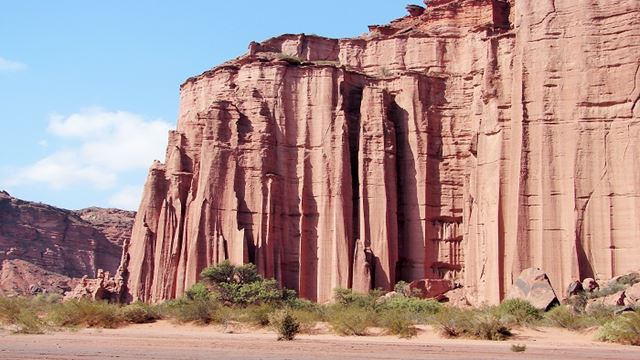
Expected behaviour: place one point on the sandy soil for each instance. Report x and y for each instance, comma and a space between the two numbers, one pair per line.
164, 340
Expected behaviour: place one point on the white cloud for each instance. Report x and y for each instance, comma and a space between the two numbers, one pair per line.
101, 145
9, 65
127, 198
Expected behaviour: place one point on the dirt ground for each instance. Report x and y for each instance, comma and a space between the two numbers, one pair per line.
164, 340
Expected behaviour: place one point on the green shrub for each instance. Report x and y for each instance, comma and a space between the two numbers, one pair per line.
563, 317
416, 306
85, 313
348, 297
402, 287
398, 322
139, 313
350, 320
198, 291
623, 329
284, 324
242, 285
199, 311
518, 311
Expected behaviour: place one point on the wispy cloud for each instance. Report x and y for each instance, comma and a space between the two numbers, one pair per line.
10, 65
99, 147
127, 198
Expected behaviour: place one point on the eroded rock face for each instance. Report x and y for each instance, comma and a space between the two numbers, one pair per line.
471, 141
39, 243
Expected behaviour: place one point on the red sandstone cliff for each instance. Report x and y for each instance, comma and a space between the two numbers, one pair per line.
472, 140
46, 247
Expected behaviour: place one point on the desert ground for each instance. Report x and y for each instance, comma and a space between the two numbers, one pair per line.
164, 340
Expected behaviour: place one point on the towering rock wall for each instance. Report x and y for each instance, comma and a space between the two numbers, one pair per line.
463, 141
556, 180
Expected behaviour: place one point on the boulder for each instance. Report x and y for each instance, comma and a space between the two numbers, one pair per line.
533, 285
590, 285
633, 295
625, 279
457, 298
614, 300
430, 288
574, 288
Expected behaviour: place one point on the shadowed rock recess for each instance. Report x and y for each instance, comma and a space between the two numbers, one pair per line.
471, 140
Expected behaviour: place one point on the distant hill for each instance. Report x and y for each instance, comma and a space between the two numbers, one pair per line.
44, 248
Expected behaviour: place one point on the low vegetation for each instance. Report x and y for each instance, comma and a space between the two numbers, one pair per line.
238, 294
623, 329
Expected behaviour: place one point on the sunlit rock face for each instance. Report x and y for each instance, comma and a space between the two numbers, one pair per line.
469, 141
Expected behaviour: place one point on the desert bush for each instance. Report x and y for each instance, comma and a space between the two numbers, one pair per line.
28, 322
453, 322
285, 324
480, 324
347, 297
562, 316
398, 322
199, 311
307, 318
623, 329
599, 314
402, 287
488, 326
350, 320
518, 311
258, 314
22, 314
518, 347
139, 313
242, 285
85, 313
412, 305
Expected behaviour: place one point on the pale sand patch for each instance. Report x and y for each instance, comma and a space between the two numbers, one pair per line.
165, 340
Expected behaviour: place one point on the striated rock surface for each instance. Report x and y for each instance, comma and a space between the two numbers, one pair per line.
41, 241
468, 141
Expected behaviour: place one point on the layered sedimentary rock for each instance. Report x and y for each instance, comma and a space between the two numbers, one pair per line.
470, 140
40, 245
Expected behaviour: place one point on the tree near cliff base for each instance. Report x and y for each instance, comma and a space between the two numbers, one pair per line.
242, 285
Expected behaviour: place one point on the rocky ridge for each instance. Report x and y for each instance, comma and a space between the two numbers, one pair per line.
468, 141
44, 248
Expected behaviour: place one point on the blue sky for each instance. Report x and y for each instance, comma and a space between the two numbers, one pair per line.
89, 89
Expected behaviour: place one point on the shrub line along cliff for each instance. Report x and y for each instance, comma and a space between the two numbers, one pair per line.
469, 140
